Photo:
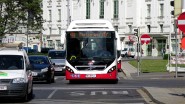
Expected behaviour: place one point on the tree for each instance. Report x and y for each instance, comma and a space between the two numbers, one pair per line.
16, 13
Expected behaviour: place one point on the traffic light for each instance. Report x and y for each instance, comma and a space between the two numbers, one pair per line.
138, 47
136, 32
172, 4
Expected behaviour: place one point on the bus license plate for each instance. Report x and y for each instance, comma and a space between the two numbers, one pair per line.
3, 87
90, 75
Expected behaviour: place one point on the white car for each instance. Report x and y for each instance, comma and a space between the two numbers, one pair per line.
15, 74
128, 52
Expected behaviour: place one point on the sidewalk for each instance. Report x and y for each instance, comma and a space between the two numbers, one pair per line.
158, 95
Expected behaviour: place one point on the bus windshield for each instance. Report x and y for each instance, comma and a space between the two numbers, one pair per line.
91, 45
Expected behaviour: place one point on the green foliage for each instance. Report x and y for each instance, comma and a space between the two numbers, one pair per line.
165, 57
37, 53
151, 65
15, 13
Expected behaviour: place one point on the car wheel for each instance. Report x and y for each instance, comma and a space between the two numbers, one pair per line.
30, 95
48, 80
53, 79
25, 98
115, 81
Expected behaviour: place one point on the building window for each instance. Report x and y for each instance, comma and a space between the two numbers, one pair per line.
148, 10
50, 43
50, 15
58, 44
88, 9
102, 8
130, 28
59, 15
50, 31
149, 28
161, 27
116, 28
116, 9
59, 31
161, 9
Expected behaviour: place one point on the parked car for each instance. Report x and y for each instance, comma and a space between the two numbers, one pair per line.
15, 74
43, 68
128, 52
45, 50
58, 57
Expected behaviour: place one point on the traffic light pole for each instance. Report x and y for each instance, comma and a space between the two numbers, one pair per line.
176, 45
138, 50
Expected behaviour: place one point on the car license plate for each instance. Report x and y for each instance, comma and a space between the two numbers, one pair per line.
34, 73
90, 75
58, 69
3, 87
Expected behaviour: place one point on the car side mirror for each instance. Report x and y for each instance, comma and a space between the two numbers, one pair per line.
30, 67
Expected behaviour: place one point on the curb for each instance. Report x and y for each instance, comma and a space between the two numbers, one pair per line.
150, 96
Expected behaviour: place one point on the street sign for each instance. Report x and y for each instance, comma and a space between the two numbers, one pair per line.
132, 38
181, 22
145, 38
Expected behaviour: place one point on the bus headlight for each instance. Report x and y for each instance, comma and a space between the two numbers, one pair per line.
69, 69
19, 80
112, 69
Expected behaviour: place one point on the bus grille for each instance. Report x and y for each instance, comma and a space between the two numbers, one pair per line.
98, 67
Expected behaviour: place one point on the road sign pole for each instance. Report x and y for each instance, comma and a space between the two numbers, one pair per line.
176, 45
138, 50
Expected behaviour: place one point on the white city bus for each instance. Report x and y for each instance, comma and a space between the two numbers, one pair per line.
91, 50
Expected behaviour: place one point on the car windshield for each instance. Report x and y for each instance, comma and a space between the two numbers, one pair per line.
57, 54
38, 60
11, 62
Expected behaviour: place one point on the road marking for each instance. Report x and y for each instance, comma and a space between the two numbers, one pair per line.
50, 95
80, 88
120, 92
94, 92
77, 93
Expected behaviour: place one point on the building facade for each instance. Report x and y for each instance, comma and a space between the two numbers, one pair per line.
152, 17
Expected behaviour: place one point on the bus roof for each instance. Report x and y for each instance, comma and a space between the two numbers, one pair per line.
89, 25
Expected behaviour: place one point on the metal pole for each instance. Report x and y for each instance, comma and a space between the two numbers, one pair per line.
68, 13
138, 56
176, 68
27, 39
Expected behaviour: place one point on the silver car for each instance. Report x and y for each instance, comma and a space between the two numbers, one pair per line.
58, 57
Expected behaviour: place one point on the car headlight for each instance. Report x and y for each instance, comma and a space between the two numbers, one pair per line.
44, 70
19, 80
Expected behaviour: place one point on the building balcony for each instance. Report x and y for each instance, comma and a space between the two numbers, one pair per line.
129, 21
115, 21
160, 19
148, 20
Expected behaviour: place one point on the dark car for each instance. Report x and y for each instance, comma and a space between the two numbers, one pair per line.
45, 50
43, 68
58, 57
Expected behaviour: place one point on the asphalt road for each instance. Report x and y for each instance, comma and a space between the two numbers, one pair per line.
82, 93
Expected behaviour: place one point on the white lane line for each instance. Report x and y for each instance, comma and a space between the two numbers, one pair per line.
81, 88
50, 95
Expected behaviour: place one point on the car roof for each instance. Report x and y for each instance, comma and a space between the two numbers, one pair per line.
37, 56
7, 51
55, 50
